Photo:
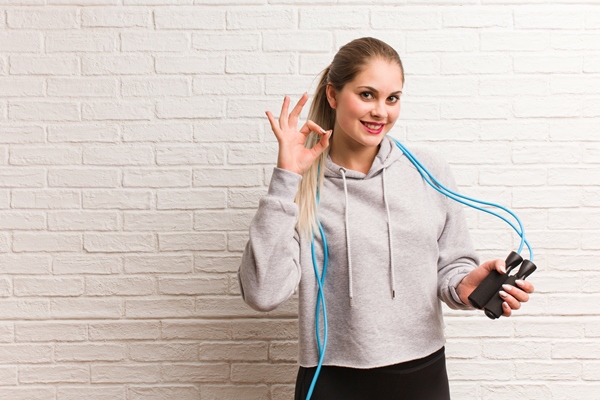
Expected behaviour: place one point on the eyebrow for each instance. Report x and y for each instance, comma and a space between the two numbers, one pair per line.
372, 89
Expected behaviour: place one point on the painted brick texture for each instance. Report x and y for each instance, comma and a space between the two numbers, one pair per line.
134, 150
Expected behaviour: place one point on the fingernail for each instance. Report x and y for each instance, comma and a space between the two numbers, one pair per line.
503, 268
323, 130
503, 294
506, 287
520, 282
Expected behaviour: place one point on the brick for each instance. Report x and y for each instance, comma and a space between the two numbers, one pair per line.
523, 391
220, 220
228, 85
82, 87
591, 63
7, 334
27, 393
117, 110
447, 86
472, 371
32, 18
445, 42
24, 309
575, 85
581, 350
197, 330
45, 199
80, 41
260, 63
477, 17
83, 220
153, 221
118, 155
405, 18
547, 371
86, 178
209, 131
22, 87
248, 392
514, 86
125, 373
25, 264
50, 331
158, 132
72, 308
26, 353
314, 64
115, 64
205, 108
136, 87
157, 178
506, 349
124, 330
562, 304
164, 392
248, 154
191, 199
244, 177
263, 373
172, 264
87, 392
16, 220
119, 17
283, 351
154, 41
205, 372
117, 199
44, 156
236, 241
192, 241
549, 328
86, 264
41, 286
198, 17
244, 198
542, 107
228, 351
119, 286
585, 391
575, 41
205, 64
226, 41
307, 41
90, 352
190, 155
262, 18
21, 134
557, 17
46, 242
162, 308
43, 111
193, 285
572, 176
22, 42
43, 65
159, 352
483, 109
475, 64
118, 242
514, 41
576, 219
104, 133
8, 376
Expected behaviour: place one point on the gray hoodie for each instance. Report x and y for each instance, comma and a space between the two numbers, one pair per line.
396, 248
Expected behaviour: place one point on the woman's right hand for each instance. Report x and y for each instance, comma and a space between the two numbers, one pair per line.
293, 156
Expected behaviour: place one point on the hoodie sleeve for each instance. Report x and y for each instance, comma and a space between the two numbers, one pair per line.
270, 270
457, 256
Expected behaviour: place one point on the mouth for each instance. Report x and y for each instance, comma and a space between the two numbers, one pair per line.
373, 128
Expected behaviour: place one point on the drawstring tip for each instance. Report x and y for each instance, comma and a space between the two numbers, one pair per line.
393, 294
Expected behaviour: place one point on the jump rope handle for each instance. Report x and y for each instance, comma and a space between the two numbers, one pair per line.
486, 296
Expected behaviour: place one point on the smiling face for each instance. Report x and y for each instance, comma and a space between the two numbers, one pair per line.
367, 107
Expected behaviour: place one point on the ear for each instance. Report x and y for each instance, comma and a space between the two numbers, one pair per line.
330, 91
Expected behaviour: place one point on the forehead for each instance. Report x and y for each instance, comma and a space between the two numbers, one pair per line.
381, 75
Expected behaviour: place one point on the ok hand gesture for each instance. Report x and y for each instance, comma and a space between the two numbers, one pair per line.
293, 156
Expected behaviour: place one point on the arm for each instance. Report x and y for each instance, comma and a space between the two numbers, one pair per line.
270, 269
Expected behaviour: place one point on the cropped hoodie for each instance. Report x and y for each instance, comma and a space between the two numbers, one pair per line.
396, 248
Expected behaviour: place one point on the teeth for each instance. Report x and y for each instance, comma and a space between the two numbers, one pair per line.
371, 126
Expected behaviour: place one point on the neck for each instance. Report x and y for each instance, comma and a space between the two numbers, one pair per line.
352, 155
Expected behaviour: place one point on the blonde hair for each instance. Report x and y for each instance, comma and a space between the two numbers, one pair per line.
349, 61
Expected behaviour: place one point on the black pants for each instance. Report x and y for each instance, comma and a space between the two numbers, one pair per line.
422, 379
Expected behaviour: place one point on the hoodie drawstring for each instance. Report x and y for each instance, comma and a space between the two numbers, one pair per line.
343, 172
390, 239
389, 221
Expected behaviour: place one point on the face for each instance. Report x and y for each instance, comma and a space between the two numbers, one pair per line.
368, 106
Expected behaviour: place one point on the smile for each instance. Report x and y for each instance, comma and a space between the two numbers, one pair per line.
373, 127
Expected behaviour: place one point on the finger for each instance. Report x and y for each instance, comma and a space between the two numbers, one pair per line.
513, 303
517, 293
293, 119
495, 265
273, 123
526, 286
314, 127
283, 117
322, 144
507, 311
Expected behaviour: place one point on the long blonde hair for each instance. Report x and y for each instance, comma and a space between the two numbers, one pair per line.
349, 61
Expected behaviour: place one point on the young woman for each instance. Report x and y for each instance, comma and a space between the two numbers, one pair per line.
395, 246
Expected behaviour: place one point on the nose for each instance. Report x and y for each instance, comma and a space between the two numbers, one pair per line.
379, 110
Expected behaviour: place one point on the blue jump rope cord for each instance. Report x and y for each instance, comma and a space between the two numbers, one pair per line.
434, 183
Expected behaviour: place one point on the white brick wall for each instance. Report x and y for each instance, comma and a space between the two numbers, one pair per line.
134, 149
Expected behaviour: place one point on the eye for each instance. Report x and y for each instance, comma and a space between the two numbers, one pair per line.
366, 95
394, 99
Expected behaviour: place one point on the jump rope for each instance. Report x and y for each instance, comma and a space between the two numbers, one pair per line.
485, 296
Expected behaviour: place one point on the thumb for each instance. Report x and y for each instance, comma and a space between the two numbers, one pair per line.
498, 265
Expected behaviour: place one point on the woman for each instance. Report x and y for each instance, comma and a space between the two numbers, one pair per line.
396, 247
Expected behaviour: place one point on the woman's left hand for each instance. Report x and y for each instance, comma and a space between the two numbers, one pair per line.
512, 296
